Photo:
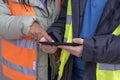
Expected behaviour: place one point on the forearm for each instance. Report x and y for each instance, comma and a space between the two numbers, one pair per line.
14, 27
103, 49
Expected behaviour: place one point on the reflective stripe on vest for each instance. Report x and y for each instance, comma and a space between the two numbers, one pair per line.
109, 71
18, 57
67, 38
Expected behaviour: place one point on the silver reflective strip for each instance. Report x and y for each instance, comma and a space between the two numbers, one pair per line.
24, 43
65, 39
27, 44
68, 19
18, 68
2, 77
103, 66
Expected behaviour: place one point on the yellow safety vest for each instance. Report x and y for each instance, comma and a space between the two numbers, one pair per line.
67, 38
103, 71
109, 71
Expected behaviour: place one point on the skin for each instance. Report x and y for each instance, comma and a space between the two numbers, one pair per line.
74, 50
47, 48
36, 32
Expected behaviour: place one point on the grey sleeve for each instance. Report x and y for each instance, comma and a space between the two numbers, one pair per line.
14, 27
102, 49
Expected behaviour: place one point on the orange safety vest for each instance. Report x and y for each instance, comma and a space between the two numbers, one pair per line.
18, 57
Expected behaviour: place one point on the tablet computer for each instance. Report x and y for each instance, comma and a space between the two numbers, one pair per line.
59, 43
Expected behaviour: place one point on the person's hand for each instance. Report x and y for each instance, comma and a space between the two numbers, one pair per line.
37, 32
74, 50
47, 48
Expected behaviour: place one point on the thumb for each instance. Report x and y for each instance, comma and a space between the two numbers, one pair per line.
78, 40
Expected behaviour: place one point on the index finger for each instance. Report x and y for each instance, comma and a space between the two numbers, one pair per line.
47, 37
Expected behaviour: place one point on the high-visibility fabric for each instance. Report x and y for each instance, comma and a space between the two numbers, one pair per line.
67, 38
109, 71
103, 71
20, 9
10, 53
18, 57
14, 75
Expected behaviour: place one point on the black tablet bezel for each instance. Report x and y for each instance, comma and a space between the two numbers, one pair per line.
59, 43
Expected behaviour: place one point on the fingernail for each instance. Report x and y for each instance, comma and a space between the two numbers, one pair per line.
52, 41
